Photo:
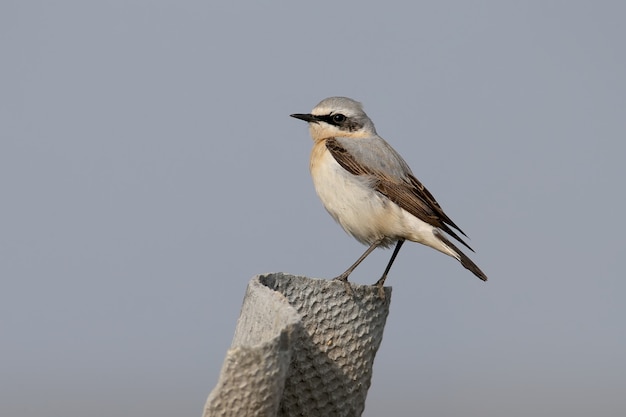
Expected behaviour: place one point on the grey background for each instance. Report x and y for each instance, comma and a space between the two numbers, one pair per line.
148, 169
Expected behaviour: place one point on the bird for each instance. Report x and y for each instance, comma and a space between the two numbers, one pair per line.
369, 189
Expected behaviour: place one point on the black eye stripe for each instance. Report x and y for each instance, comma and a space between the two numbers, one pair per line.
341, 121
336, 119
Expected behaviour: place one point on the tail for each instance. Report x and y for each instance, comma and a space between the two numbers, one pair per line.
465, 261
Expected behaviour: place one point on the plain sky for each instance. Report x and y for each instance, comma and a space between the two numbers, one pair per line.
149, 169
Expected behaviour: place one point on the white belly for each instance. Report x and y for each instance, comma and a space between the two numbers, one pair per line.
360, 210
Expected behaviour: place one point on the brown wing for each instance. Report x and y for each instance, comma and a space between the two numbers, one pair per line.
408, 193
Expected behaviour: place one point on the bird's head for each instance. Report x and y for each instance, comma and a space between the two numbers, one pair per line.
338, 117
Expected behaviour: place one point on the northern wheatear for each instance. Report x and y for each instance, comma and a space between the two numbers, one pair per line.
370, 190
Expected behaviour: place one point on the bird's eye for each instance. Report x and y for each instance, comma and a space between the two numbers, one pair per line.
338, 118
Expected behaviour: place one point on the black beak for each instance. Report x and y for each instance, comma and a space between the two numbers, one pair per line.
306, 117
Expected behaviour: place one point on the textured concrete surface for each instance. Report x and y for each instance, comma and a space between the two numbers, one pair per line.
302, 347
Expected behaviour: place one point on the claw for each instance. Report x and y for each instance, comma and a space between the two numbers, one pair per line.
346, 283
380, 284
381, 289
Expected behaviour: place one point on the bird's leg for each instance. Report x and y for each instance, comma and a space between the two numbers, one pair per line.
381, 281
344, 277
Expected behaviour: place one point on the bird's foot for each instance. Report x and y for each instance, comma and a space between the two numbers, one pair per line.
344, 278
380, 285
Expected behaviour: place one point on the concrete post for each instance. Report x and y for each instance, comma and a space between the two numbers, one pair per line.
302, 347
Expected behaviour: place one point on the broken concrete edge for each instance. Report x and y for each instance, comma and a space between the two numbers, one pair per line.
272, 281
265, 315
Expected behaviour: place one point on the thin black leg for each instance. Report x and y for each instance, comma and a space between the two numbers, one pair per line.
381, 281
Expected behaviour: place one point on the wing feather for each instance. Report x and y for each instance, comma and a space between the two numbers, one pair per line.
408, 192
